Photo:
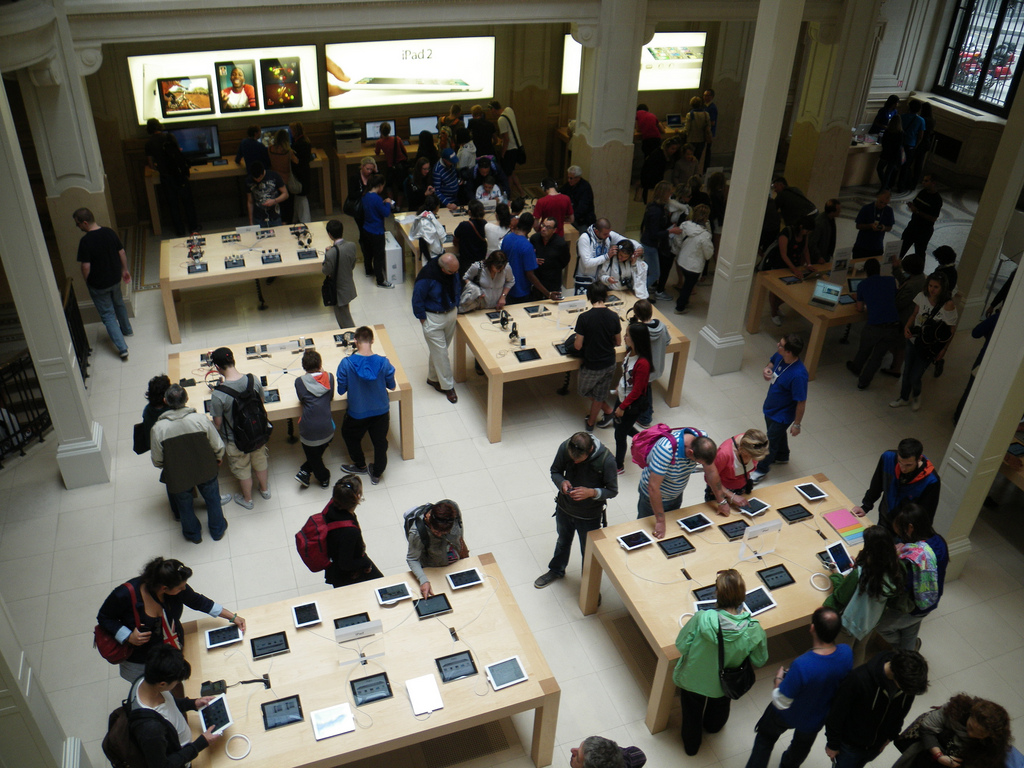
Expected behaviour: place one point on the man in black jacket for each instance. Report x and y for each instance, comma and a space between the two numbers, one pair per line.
902, 476
585, 475
156, 718
870, 706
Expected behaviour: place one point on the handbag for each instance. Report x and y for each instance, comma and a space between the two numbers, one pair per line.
140, 438
353, 206
329, 288
293, 185
735, 680
933, 335
107, 645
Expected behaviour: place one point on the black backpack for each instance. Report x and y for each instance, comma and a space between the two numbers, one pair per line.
249, 421
118, 745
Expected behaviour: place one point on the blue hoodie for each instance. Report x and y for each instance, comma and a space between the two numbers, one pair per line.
366, 379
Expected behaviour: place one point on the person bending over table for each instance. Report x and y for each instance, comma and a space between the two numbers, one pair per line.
669, 465
491, 279
735, 460
435, 539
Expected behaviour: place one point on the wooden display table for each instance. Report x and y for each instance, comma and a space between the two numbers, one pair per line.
174, 264
451, 221
797, 298
210, 171
656, 592
282, 367
496, 355
861, 165
486, 617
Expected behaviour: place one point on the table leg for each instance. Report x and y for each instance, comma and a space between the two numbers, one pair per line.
756, 306
460, 356
154, 206
662, 691
170, 313
325, 188
342, 179
495, 396
818, 331
545, 718
405, 425
674, 393
590, 588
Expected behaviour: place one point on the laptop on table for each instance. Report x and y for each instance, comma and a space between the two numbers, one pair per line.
826, 295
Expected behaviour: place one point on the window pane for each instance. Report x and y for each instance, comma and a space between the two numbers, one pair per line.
951, 59
1003, 61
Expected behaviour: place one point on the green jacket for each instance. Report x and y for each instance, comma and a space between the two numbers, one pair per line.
859, 610
697, 668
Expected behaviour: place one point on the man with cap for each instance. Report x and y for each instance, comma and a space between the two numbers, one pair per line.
554, 205
446, 179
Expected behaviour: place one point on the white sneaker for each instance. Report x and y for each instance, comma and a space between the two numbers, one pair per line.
776, 319
757, 476
915, 403
899, 403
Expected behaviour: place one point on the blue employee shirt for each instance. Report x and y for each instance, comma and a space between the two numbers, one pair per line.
788, 389
812, 683
869, 239
446, 182
912, 125
375, 210
878, 292
522, 258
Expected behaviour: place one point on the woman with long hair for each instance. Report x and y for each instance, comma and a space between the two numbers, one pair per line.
493, 278
427, 148
928, 332
345, 546
469, 240
654, 232
860, 596
965, 732
632, 396
419, 183
496, 231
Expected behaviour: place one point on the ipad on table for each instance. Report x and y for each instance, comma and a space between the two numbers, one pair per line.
758, 600
754, 507
733, 530
373, 688
462, 579
281, 712
704, 605
456, 666
677, 545
634, 540
794, 513
502, 674
393, 593
838, 556
694, 523
705, 593
435, 605
269, 645
306, 615
351, 621
811, 492
219, 636
776, 576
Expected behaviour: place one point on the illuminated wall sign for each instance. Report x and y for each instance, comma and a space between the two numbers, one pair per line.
388, 72
207, 85
671, 61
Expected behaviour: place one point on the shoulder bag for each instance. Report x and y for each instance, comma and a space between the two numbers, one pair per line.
107, 645
515, 135
735, 680
329, 289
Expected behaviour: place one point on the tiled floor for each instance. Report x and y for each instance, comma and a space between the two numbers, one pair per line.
62, 551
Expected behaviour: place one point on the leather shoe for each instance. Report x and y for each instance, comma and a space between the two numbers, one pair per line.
452, 397
436, 385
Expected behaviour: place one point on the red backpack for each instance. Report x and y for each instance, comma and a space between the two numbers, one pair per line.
644, 441
311, 540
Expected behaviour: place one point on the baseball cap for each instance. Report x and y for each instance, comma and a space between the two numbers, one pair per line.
448, 155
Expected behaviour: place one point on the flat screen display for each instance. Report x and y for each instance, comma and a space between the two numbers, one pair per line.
372, 688
419, 124
201, 142
391, 72
456, 666
351, 621
281, 712
670, 61
373, 129
269, 645
433, 606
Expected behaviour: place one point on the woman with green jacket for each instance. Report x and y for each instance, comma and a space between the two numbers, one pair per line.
705, 706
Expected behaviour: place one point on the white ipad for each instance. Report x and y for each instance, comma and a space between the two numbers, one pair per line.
694, 523
393, 593
754, 507
811, 492
506, 672
634, 540
216, 715
219, 636
840, 557
306, 615
704, 605
759, 600
462, 579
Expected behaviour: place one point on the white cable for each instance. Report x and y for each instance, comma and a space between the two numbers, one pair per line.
683, 616
828, 582
248, 746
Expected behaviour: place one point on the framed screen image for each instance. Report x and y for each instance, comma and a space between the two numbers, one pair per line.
236, 86
281, 83
184, 96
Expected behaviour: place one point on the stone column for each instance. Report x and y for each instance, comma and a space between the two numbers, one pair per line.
50, 74
995, 208
996, 403
603, 142
732, 62
840, 57
720, 343
82, 455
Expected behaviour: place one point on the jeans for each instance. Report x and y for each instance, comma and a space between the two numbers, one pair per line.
653, 260
113, 314
875, 341
567, 527
375, 257
648, 413
915, 363
769, 728
701, 713
644, 508
778, 444
849, 757
352, 431
314, 463
191, 528
624, 428
689, 283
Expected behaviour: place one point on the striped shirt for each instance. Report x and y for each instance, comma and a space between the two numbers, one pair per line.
676, 473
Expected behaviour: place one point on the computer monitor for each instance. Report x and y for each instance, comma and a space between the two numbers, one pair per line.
372, 128
419, 124
199, 143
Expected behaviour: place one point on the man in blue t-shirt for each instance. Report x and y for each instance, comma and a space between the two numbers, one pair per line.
913, 133
803, 694
522, 258
873, 221
877, 294
784, 406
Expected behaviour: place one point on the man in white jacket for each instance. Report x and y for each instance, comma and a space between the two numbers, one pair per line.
593, 251
625, 270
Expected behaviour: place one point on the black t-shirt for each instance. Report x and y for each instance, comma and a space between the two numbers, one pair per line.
599, 327
101, 248
482, 131
556, 257
472, 243
928, 203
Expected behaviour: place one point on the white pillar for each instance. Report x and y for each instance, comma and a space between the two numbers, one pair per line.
720, 343
83, 455
606, 107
